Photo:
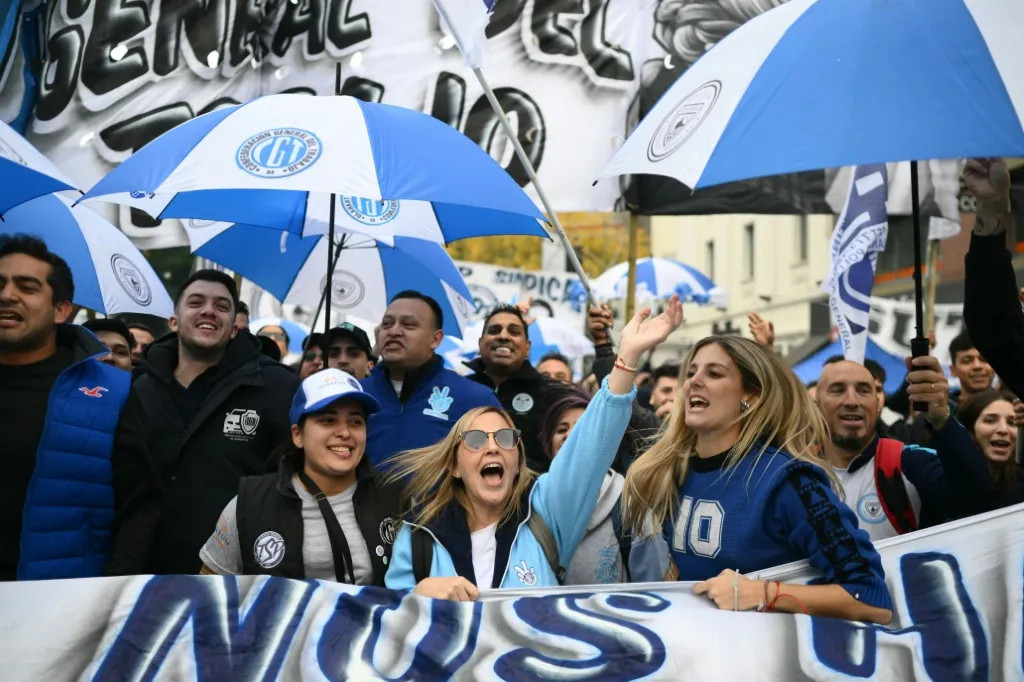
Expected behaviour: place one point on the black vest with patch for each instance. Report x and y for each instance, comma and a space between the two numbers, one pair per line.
269, 517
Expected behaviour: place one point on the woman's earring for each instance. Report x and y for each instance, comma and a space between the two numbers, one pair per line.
744, 406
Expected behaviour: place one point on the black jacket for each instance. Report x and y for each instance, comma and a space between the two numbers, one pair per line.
524, 395
172, 478
270, 503
992, 311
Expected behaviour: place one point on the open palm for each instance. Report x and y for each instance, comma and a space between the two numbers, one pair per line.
644, 332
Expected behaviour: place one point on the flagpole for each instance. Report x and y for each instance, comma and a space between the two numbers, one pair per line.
634, 227
532, 174
331, 258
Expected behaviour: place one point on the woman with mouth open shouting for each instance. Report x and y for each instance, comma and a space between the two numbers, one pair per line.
471, 495
736, 484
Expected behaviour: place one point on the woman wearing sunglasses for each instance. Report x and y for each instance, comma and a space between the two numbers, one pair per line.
471, 495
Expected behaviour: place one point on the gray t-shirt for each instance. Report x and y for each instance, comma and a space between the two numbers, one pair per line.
222, 553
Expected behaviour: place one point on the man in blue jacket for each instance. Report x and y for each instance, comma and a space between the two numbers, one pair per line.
420, 399
59, 407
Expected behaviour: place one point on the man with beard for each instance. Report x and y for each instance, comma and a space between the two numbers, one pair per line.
143, 338
503, 367
60, 406
896, 488
206, 408
420, 399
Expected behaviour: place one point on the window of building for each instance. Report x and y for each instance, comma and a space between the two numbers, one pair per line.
748, 251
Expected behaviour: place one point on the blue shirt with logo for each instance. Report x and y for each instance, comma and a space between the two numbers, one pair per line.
430, 409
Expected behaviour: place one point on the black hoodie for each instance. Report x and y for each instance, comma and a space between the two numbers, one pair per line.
179, 454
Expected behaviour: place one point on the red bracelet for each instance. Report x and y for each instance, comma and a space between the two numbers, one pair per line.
623, 366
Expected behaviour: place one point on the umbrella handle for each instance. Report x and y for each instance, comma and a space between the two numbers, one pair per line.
919, 347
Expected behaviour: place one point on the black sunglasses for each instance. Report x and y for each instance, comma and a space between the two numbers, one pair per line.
476, 439
311, 355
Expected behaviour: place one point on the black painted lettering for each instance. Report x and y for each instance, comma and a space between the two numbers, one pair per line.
343, 29
204, 23
363, 88
483, 127
60, 72
607, 60
552, 37
449, 99
113, 23
301, 18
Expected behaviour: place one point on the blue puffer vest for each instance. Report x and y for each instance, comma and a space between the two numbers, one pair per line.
69, 506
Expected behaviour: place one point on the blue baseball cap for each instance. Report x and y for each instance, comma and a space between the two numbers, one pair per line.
319, 390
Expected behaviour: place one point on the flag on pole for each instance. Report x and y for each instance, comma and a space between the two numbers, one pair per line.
466, 21
859, 235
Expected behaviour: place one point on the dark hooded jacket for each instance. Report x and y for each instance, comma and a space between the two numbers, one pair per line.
179, 454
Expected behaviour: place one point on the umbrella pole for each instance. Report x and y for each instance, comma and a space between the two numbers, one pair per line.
325, 294
328, 285
919, 344
532, 174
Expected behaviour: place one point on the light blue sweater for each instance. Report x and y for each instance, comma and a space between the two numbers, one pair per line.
564, 497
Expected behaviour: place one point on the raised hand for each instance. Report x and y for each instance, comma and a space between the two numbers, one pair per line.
927, 384
644, 332
761, 329
599, 321
989, 181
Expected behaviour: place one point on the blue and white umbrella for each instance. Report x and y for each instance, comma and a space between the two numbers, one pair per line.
278, 160
824, 83
660, 278
111, 275
367, 274
24, 172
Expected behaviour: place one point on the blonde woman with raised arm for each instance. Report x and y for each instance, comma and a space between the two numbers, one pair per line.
472, 495
736, 485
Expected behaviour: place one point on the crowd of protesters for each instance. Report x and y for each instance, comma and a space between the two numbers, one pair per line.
369, 462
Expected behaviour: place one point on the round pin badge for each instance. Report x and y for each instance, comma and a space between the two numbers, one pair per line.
522, 402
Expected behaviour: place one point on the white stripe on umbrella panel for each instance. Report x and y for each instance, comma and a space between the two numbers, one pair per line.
380, 219
358, 282
1001, 23
127, 281
294, 142
20, 150
678, 136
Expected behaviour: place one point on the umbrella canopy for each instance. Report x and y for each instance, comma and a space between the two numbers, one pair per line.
111, 275
809, 369
367, 273
823, 83
658, 278
296, 332
24, 172
278, 161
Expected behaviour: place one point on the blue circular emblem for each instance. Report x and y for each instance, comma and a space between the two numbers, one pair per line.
370, 211
279, 152
869, 509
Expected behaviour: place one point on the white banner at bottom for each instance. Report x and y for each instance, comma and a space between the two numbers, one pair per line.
957, 590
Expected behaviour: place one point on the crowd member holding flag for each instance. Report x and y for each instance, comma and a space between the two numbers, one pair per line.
992, 310
479, 516
893, 487
736, 484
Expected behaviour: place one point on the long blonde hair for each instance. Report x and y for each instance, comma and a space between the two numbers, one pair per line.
432, 485
781, 414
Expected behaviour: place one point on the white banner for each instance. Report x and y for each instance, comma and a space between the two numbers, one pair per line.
494, 284
957, 591
117, 74
892, 326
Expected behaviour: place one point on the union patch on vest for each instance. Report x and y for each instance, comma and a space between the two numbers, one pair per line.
240, 424
869, 509
268, 550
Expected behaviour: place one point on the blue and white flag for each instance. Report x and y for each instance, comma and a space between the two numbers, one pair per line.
466, 21
859, 235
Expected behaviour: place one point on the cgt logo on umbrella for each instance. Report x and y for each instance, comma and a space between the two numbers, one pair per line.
279, 152
683, 121
370, 211
131, 280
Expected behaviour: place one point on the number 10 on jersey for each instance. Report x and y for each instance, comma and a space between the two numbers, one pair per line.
698, 527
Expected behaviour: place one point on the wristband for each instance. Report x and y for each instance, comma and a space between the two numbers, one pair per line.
623, 366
